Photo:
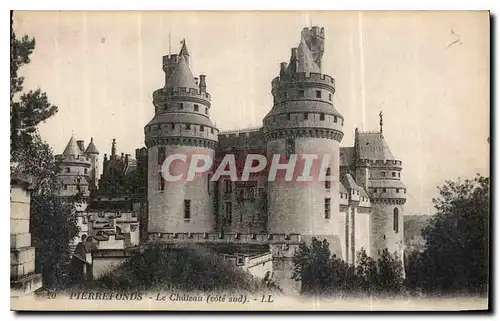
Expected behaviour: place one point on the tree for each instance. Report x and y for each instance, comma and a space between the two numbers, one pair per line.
53, 222
456, 254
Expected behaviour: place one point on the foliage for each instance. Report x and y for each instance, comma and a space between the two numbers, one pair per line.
456, 255
190, 269
324, 274
53, 222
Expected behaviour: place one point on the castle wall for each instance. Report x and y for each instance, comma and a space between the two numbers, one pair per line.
299, 207
383, 234
166, 207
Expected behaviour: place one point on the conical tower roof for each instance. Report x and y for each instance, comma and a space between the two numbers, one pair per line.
305, 57
184, 50
182, 75
72, 147
91, 149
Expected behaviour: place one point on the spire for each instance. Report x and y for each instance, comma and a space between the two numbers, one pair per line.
381, 122
182, 75
91, 149
306, 59
184, 50
71, 148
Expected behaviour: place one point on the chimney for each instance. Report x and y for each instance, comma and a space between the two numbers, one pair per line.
282, 68
81, 145
203, 84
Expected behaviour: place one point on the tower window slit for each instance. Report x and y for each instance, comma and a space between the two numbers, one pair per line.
327, 208
187, 209
396, 220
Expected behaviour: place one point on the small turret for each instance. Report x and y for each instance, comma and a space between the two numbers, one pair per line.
203, 84
113, 148
91, 149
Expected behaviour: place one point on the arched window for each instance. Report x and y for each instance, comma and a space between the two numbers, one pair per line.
396, 220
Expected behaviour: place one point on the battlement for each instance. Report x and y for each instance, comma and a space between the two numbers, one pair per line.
170, 60
163, 93
73, 159
379, 163
224, 238
312, 77
313, 32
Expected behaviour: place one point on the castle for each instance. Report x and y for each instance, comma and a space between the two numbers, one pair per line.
256, 223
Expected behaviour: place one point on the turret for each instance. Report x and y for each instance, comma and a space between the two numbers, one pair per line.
381, 172
181, 125
73, 170
315, 39
302, 121
93, 154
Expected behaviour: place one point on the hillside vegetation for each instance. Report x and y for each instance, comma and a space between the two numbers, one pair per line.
189, 269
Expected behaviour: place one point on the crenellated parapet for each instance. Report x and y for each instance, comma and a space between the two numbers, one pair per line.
225, 238
389, 164
164, 95
305, 79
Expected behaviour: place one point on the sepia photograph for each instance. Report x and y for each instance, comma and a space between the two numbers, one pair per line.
250, 161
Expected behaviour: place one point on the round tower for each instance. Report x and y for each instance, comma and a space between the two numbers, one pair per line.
388, 196
302, 121
74, 168
387, 191
93, 154
181, 125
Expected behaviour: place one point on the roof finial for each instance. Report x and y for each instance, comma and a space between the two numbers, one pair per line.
381, 115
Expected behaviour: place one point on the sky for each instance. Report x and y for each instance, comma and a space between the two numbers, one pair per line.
427, 71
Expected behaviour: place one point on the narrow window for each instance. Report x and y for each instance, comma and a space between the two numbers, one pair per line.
384, 190
396, 220
188, 126
327, 181
288, 116
397, 190
173, 126
209, 176
187, 209
301, 94
229, 212
306, 116
383, 174
66, 187
161, 183
393, 174
285, 95
318, 93
202, 128
399, 174
327, 208
228, 186
85, 171
161, 155
206, 110
181, 106
196, 108
290, 147
67, 169
330, 97
212, 130
321, 116
334, 119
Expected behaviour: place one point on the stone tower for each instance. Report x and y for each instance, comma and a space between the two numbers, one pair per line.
380, 173
93, 154
74, 169
182, 126
302, 121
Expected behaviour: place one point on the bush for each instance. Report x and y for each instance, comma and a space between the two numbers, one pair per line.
189, 269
